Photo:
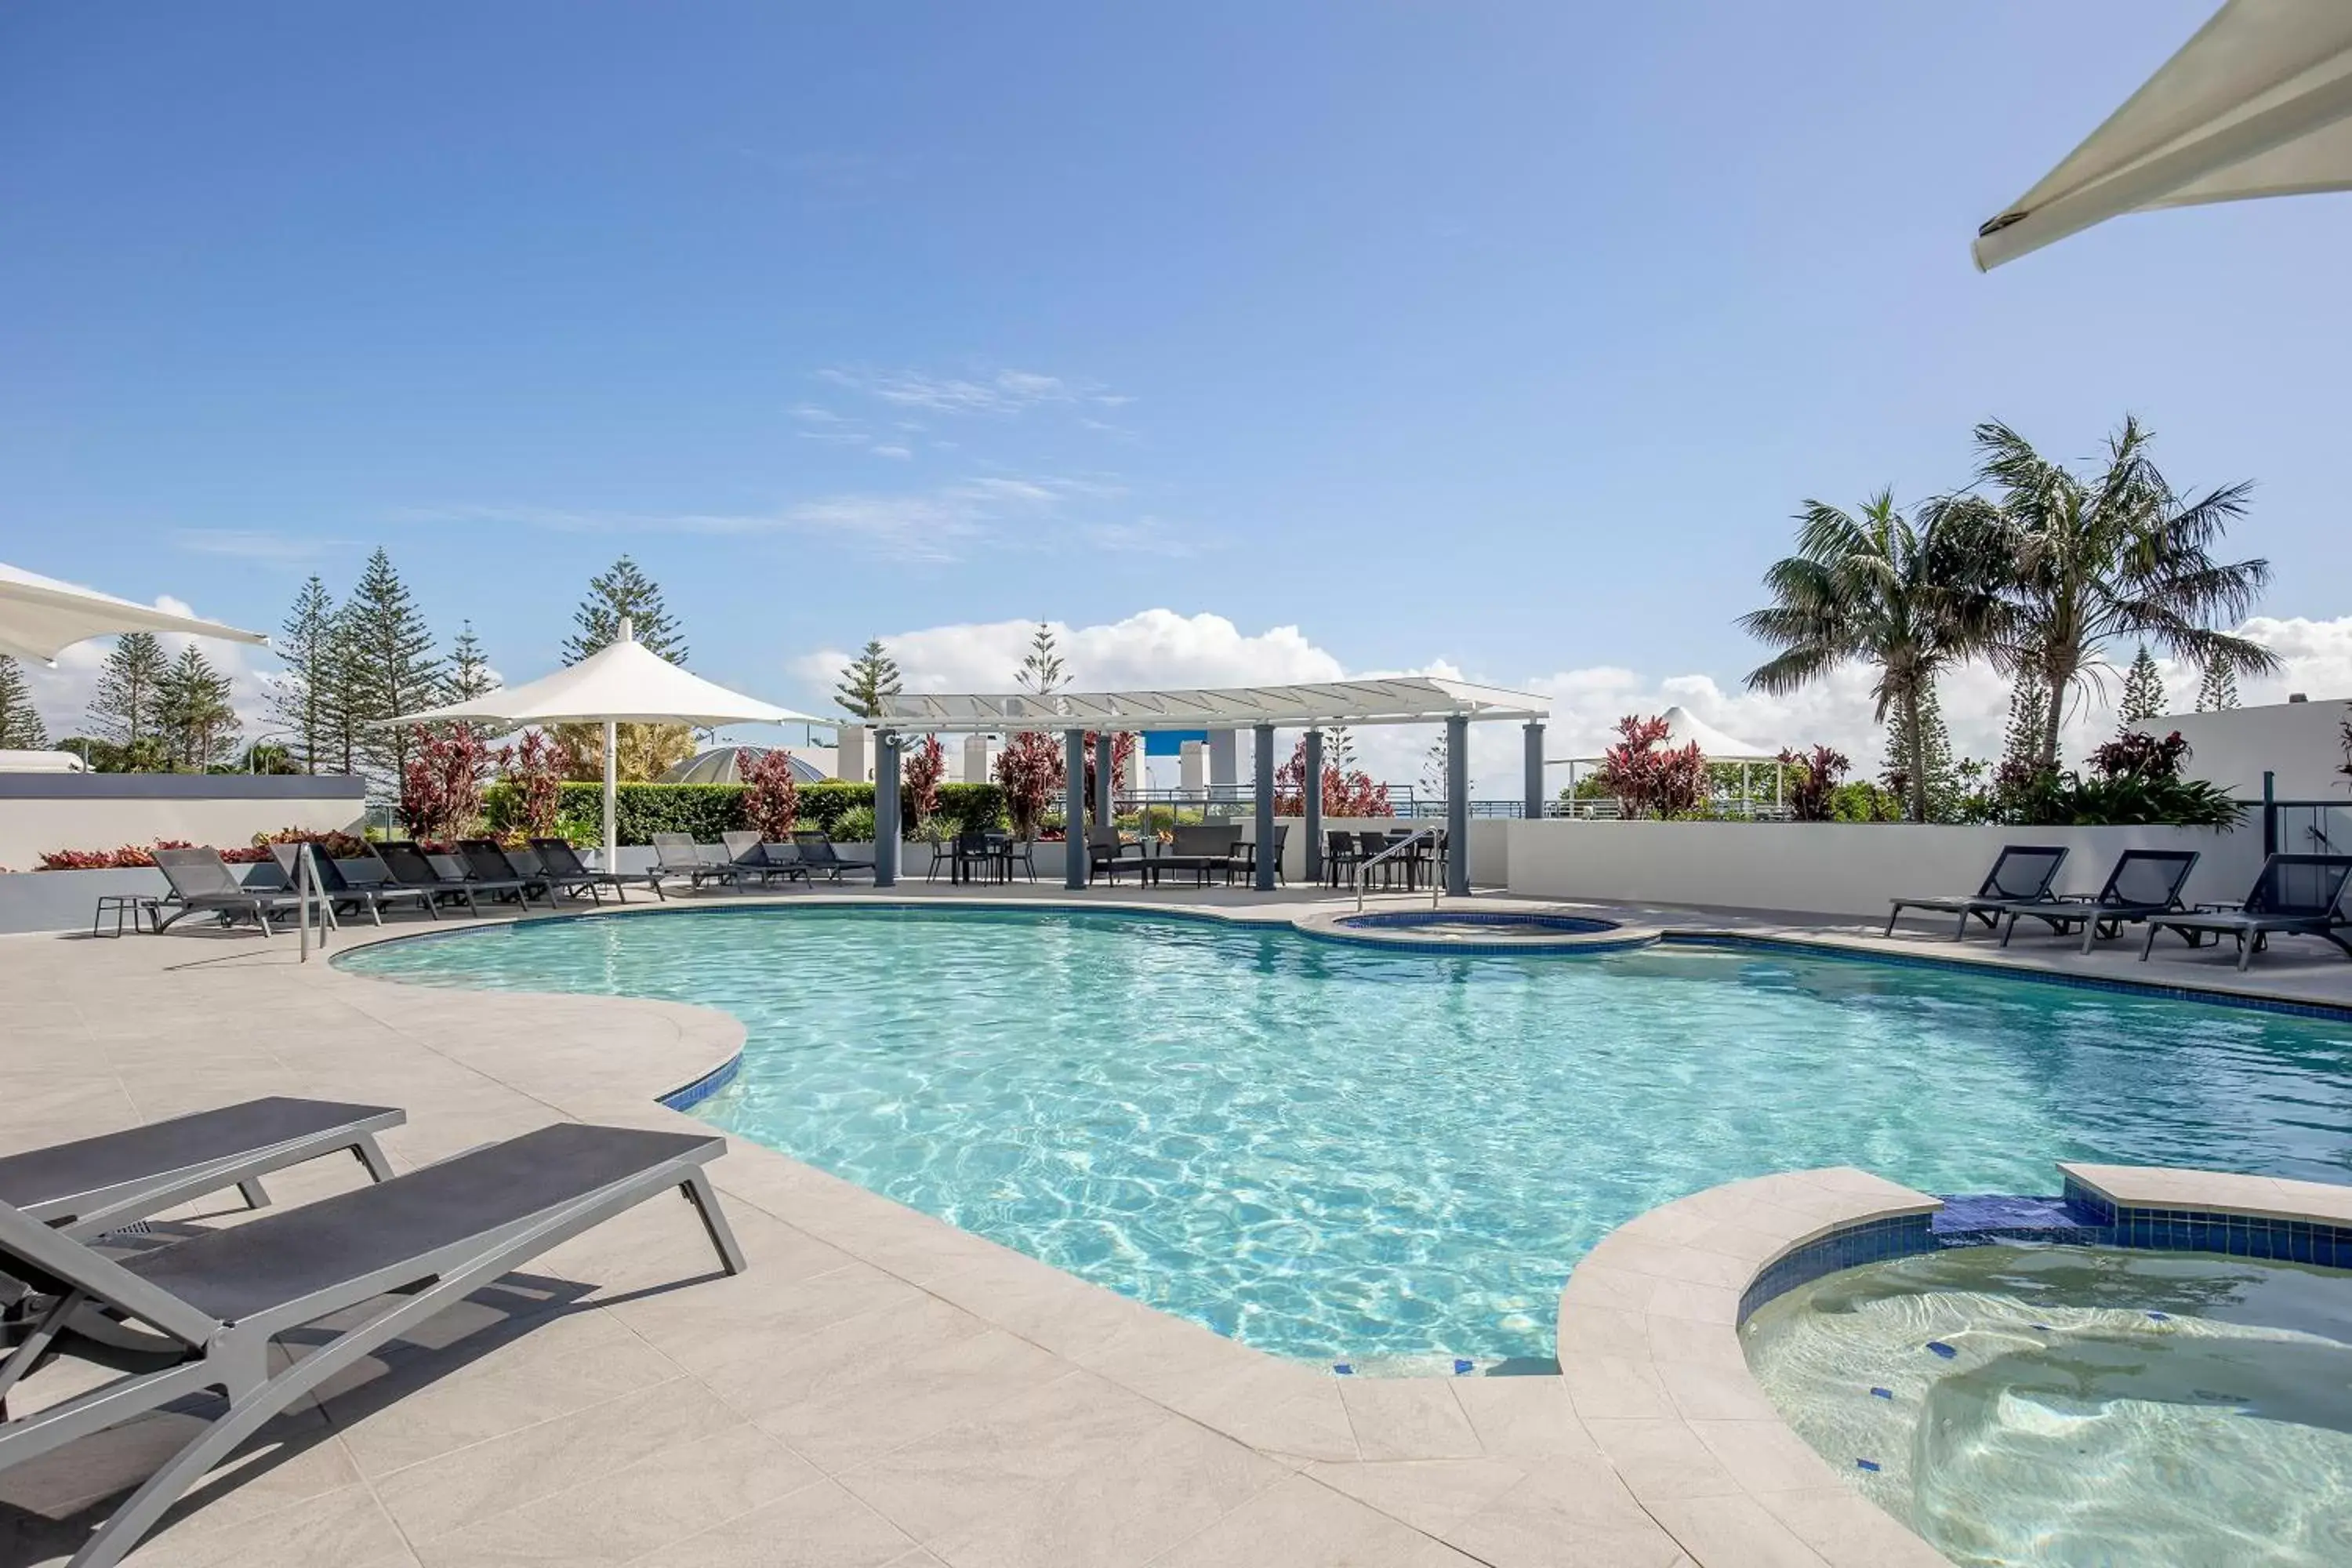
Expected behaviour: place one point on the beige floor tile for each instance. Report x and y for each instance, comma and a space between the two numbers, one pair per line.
1614, 1388
1568, 1513
1433, 1496
845, 1427
1407, 1418
1733, 1530
1660, 1459
1765, 1455
829, 1362
820, 1526
1301, 1523
1522, 1417
346, 1526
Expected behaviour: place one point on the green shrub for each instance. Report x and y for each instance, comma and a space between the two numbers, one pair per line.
854, 826
706, 811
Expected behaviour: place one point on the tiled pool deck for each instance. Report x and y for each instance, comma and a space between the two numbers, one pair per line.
880, 1388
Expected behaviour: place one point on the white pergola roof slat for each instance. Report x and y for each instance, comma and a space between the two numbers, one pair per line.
1403, 700
2258, 103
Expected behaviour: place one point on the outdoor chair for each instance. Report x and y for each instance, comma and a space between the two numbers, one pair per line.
2295, 895
1202, 849
1339, 856
976, 854
487, 870
1243, 864
1368, 845
203, 883
344, 894
678, 854
1108, 854
818, 854
404, 1250
2021, 874
1012, 850
561, 864
2145, 882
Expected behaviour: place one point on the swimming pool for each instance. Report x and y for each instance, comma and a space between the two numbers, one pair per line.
1335, 1152
2080, 1407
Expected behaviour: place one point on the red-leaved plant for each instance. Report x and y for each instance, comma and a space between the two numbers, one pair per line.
771, 796
1648, 779
1122, 755
1029, 770
441, 788
927, 765
535, 767
1813, 774
1349, 793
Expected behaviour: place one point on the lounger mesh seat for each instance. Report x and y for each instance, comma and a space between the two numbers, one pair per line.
407, 864
817, 854
2021, 874
2144, 882
407, 1248
345, 895
203, 883
563, 865
678, 854
2294, 895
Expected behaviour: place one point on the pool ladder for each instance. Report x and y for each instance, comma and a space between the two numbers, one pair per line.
1436, 870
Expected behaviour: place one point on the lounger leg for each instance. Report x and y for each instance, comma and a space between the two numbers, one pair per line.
2246, 953
2150, 945
21, 1360
256, 1196
697, 1190
369, 1154
252, 1404
2009, 930
2091, 933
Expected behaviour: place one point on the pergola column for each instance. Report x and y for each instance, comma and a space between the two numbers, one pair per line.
1264, 879
1457, 807
1534, 808
1311, 802
886, 809
1106, 748
1074, 813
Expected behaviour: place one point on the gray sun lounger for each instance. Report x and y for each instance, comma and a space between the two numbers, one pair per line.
817, 854
205, 884
566, 869
403, 1250
487, 866
345, 895
411, 866
2021, 874
678, 854
2295, 895
2144, 883
753, 856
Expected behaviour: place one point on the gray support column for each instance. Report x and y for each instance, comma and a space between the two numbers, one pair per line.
1074, 816
1534, 808
1264, 836
1311, 799
1106, 748
886, 809
1457, 807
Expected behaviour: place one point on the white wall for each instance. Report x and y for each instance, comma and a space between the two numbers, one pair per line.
2301, 743
32, 828
1834, 867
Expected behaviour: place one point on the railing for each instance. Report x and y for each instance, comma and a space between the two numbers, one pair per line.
308, 894
1436, 872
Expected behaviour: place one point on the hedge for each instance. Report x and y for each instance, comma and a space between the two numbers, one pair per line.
706, 811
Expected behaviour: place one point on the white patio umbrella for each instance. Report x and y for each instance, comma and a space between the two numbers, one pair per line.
2258, 103
40, 616
625, 683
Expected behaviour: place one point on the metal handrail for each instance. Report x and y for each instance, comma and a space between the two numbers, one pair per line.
307, 892
1437, 878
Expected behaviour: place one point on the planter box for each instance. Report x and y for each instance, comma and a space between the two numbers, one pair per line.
1834, 867
40, 812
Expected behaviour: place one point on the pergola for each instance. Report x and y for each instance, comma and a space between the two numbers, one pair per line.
1402, 699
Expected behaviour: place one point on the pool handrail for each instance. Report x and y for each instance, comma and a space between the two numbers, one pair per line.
1436, 884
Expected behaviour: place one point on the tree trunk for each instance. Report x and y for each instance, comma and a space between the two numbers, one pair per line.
1918, 761
2057, 681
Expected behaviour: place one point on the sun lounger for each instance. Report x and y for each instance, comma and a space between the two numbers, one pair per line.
753, 856
2021, 874
403, 1250
344, 894
2295, 895
817, 854
2144, 883
489, 869
203, 883
678, 854
407, 864
562, 866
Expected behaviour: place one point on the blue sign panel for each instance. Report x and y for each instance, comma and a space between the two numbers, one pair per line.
1169, 743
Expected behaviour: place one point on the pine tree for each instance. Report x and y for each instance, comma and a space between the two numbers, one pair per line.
21, 729
2217, 693
193, 715
342, 695
2144, 695
306, 644
385, 664
869, 677
1041, 672
469, 676
123, 709
624, 591
2029, 712
1935, 753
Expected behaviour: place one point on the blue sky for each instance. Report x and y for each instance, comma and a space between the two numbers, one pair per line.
1501, 339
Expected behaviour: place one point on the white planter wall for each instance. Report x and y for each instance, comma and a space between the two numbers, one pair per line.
43, 813
1832, 867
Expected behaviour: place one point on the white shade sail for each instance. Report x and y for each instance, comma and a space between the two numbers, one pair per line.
1685, 728
1398, 699
623, 683
40, 616
2258, 103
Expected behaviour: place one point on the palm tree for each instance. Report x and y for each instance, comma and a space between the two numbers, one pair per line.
2116, 555
1907, 597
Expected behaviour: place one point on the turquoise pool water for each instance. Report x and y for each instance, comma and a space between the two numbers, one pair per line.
1335, 1152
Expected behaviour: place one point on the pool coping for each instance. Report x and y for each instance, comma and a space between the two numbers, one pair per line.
1650, 1325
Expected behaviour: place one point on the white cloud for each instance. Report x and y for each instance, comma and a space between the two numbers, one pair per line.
891, 449
253, 544
999, 393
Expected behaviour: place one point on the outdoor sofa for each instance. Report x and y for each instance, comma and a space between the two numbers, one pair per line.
2021, 874
2294, 895
354, 1272
2144, 883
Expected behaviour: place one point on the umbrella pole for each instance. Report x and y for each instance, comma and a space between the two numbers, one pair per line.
611, 796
